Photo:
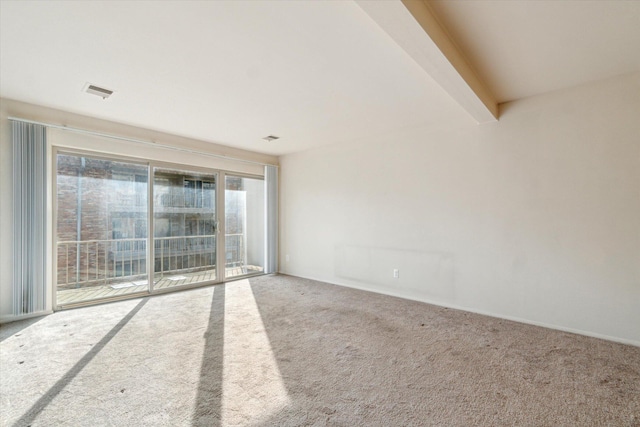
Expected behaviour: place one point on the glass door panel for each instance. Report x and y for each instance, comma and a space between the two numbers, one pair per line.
244, 226
184, 224
101, 228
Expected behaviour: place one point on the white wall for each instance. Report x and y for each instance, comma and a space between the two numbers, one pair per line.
10, 108
536, 217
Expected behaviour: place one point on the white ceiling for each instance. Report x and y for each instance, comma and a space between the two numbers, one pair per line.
524, 48
313, 73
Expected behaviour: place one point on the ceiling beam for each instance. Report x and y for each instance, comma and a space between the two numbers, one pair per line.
414, 27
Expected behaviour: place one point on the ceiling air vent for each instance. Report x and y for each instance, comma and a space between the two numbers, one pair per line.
96, 90
271, 138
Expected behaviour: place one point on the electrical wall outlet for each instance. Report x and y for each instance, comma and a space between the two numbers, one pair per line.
286, 257
396, 273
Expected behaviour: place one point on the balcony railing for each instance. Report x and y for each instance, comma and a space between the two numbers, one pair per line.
95, 262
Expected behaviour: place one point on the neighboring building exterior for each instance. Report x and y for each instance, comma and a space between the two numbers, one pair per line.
102, 222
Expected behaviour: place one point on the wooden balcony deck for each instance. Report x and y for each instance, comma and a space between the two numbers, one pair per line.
175, 280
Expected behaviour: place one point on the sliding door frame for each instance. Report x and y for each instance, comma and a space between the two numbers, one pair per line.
55, 151
264, 261
151, 242
222, 229
220, 218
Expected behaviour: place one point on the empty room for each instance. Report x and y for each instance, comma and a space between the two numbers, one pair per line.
320, 213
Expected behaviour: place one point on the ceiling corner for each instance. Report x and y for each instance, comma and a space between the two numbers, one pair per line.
413, 25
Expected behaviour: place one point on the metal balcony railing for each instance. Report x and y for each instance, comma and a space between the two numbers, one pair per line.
88, 262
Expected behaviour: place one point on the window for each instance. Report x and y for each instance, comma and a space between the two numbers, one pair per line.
103, 220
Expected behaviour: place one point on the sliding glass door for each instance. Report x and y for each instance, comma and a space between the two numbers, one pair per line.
184, 227
101, 228
244, 226
120, 222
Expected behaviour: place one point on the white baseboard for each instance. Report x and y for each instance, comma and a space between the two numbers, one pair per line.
12, 318
484, 313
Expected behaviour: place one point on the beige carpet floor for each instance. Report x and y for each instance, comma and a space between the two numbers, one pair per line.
283, 351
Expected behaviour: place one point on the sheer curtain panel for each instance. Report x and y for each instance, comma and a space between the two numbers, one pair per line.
29, 217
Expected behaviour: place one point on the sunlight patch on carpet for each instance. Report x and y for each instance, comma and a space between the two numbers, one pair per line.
252, 383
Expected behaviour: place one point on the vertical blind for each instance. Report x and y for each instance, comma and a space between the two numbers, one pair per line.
271, 183
29, 217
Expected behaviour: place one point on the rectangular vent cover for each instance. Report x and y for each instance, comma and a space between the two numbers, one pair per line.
100, 91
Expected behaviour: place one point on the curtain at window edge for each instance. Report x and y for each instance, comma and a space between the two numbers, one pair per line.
271, 184
29, 145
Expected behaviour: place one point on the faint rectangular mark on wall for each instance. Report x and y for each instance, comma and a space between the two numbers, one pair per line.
427, 273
